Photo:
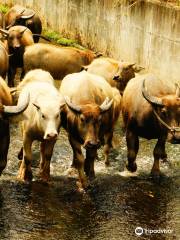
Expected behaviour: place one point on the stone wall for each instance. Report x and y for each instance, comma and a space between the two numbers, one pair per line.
146, 32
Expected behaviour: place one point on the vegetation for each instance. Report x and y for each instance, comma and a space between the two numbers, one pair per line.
57, 38
4, 8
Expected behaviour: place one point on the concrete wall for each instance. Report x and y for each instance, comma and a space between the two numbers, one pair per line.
147, 33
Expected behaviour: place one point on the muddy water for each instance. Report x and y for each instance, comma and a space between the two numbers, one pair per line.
114, 206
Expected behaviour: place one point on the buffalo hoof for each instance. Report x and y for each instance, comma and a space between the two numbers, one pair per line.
72, 172
107, 163
20, 154
45, 178
91, 176
132, 167
25, 175
82, 186
155, 174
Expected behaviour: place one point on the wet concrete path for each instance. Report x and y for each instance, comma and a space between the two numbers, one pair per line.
113, 207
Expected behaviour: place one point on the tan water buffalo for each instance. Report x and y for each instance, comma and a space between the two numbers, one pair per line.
42, 121
117, 73
4, 60
151, 109
6, 111
91, 112
59, 61
18, 37
19, 15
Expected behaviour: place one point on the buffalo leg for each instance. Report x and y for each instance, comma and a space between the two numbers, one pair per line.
108, 145
159, 152
11, 76
4, 150
46, 149
25, 172
89, 163
78, 160
22, 74
132, 148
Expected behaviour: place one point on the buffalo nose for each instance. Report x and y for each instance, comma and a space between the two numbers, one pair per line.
92, 144
17, 46
51, 136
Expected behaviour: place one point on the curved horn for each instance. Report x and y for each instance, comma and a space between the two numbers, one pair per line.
4, 31
23, 31
151, 99
71, 105
22, 104
28, 16
177, 90
16, 18
11, 24
106, 105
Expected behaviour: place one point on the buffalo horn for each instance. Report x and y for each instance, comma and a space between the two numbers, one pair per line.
151, 99
28, 16
4, 31
23, 31
177, 90
106, 104
71, 105
14, 21
22, 104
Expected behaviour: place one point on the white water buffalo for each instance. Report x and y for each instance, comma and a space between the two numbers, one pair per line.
92, 109
41, 121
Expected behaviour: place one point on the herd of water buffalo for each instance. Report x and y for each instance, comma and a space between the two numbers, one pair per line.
94, 91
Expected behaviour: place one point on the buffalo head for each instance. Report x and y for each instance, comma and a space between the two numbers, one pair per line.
167, 112
15, 37
125, 72
48, 116
88, 120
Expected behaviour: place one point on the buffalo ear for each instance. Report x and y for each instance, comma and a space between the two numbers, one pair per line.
37, 107
138, 68
62, 105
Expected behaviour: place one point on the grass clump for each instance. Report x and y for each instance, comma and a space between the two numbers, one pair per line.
4, 8
57, 38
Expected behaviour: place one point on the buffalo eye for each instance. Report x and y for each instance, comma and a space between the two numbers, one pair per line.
100, 118
82, 118
164, 112
57, 116
43, 116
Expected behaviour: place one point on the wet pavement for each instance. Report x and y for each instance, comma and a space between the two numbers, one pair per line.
110, 210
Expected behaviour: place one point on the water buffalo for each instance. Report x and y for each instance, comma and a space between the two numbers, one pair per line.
152, 113
117, 73
19, 15
6, 110
59, 61
89, 117
4, 61
18, 37
42, 121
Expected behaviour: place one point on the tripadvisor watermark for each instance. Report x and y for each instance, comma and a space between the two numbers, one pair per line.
139, 231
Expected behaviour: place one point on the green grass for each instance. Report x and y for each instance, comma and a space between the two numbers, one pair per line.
57, 38
4, 8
